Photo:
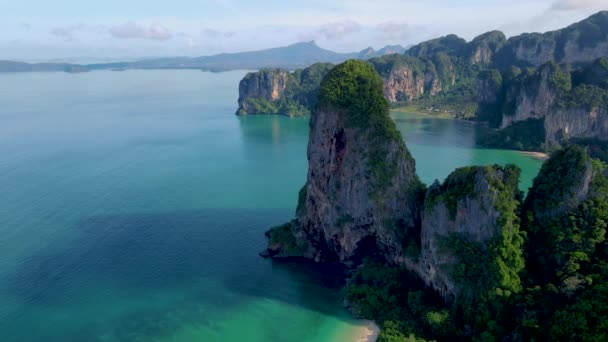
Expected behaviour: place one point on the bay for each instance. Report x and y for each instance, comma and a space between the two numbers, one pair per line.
133, 205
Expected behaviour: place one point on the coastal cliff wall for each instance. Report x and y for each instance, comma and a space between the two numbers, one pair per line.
362, 186
363, 198
472, 210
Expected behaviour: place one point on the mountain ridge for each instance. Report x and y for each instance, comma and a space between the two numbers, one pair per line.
293, 56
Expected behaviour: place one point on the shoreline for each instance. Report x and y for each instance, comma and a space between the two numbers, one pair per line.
537, 155
367, 333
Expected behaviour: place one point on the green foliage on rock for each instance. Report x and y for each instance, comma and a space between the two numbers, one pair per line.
397, 300
457, 186
527, 135
566, 217
282, 238
353, 90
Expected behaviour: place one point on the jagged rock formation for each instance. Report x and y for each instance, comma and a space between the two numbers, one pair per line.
362, 198
582, 42
473, 207
532, 96
278, 91
565, 215
361, 191
483, 47
407, 78
266, 85
566, 104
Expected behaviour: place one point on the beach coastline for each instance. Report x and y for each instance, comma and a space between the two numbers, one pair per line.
367, 333
537, 155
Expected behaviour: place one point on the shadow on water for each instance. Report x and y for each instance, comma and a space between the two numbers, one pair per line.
430, 131
143, 255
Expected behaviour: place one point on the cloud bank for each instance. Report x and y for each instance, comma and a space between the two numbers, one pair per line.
132, 30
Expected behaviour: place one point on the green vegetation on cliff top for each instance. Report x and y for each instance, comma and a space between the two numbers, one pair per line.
561, 294
354, 90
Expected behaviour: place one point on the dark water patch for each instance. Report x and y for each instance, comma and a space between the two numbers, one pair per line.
140, 256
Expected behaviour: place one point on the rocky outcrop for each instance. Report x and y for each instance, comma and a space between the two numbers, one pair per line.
267, 85
579, 43
473, 206
403, 83
532, 97
361, 191
568, 104
566, 123
281, 92
573, 169
483, 48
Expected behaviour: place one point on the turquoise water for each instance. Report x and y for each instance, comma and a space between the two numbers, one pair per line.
133, 205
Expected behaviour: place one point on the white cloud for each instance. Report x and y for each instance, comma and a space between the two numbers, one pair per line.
332, 31
569, 5
132, 30
394, 30
211, 33
67, 33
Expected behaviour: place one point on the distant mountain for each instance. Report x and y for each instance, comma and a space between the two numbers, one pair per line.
293, 56
387, 50
10, 66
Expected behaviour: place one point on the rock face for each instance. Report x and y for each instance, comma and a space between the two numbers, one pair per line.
471, 205
574, 167
580, 122
363, 198
404, 83
362, 187
483, 48
531, 97
268, 85
579, 43
570, 105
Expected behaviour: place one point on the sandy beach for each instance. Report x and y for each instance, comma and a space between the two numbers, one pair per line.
537, 155
368, 333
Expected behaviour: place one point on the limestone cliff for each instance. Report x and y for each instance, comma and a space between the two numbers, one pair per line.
265, 85
362, 187
278, 91
404, 83
567, 104
565, 215
579, 43
532, 96
474, 207
483, 48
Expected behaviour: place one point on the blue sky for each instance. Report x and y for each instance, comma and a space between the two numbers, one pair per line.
46, 29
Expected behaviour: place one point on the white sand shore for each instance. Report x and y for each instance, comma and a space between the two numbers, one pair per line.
537, 155
368, 333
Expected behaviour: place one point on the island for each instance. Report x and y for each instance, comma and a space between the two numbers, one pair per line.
469, 258
538, 92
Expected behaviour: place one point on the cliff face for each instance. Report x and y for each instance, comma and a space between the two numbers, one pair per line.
565, 214
473, 207
531, 97
403, 83
361, 191
483, 48
579, 43
568, 104
281, 92
266, 85
581, 122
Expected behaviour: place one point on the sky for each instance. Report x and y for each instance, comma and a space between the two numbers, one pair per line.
90, 30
